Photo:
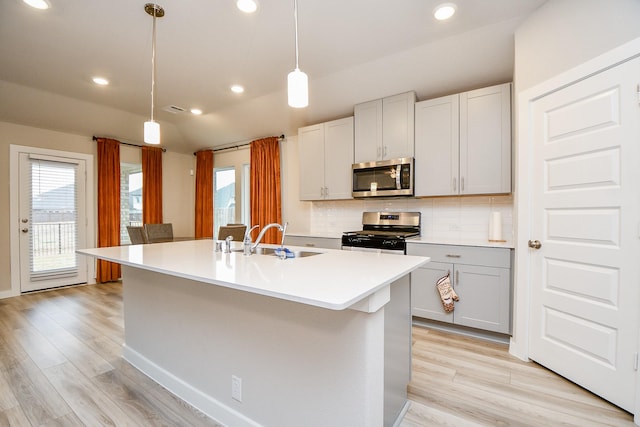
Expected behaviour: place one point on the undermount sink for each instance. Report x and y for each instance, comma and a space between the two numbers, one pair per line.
272, 251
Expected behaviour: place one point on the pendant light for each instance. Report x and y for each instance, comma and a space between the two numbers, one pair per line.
151, 127
298, 83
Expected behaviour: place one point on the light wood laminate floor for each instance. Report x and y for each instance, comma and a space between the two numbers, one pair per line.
61, 365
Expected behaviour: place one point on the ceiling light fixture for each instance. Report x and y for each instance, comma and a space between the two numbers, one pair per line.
196, 111
444, 11
100, 81
38, 4
151, 127
298, 82
247, 6
237, 89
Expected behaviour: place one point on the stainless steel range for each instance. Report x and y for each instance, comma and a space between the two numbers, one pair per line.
383, 232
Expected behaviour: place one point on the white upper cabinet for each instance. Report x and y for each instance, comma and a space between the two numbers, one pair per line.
325, 151
368, 131
485, 140
384, 128
463, 143
437, 147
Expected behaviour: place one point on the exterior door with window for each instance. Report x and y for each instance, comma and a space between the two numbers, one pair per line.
52, 221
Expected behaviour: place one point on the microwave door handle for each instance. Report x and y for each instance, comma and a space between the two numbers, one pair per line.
398, 181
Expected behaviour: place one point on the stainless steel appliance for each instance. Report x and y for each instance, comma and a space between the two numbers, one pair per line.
383, 178
383, 232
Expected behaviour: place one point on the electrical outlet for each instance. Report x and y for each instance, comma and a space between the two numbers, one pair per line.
236, 388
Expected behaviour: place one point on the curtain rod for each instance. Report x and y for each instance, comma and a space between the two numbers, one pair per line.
281, 137
164, 150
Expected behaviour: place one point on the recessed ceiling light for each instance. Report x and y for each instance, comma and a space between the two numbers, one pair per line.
237, 89
196, 111
100, 81
247, 6
38, 4
444, 11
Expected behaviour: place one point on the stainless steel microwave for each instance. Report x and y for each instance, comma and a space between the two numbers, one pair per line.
383, 178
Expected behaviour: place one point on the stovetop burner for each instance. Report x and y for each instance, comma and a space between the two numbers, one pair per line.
398, 234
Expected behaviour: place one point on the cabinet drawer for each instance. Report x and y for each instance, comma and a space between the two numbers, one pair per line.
470, 255
314, 242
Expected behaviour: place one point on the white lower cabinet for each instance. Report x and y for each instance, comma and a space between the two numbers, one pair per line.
481, 277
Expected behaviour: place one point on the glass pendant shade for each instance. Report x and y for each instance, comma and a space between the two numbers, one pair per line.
298, 89
152, 132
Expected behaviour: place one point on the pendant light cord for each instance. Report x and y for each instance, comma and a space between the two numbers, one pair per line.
295, 15
153, 62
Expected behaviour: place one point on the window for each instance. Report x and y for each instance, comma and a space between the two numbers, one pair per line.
224, 197
130, 198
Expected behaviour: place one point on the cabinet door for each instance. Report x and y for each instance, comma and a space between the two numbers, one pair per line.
398, 126
485, 297
338, 158
425, 299
368, 131
311, 155
436, 146
485, 140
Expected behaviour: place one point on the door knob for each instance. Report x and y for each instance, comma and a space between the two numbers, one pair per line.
25, 230
535, 244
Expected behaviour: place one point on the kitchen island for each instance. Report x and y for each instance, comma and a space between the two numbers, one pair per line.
256, 340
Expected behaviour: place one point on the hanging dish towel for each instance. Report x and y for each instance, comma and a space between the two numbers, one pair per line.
447, 294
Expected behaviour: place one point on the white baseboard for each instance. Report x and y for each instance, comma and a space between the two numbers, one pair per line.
208, 405
8, 294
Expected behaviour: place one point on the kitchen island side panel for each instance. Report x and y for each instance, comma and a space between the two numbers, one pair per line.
299, 364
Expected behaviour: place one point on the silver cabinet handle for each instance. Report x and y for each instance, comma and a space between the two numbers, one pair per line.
457, 277
455, 187
453, 256
326, 191
535, 244
25, 230
462, 184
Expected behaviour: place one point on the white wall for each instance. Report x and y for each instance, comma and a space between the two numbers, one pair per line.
564, 33
295, 212
178, 185
560, 35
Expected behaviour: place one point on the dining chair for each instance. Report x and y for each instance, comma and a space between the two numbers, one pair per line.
137, 235
235, 230
157, 233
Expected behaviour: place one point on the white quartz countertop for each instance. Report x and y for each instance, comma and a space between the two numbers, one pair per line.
334, 279
462, 241
458, 241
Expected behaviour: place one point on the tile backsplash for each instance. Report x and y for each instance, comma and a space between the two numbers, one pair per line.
442, 218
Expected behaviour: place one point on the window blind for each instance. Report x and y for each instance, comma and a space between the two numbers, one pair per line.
53, 218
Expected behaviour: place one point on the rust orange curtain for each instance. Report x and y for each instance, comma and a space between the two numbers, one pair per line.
152, 185
266, 199
204, 194
108, 205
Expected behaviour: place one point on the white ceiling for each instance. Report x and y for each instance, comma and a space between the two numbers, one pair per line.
352, 50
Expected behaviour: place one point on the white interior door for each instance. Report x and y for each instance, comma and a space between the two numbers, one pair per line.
585, 280
52, 221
